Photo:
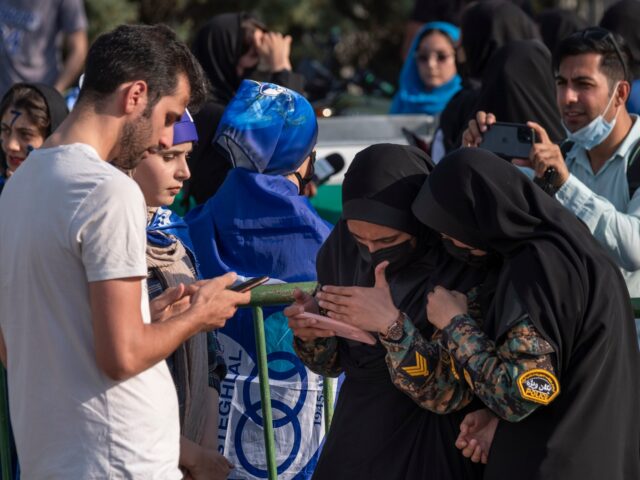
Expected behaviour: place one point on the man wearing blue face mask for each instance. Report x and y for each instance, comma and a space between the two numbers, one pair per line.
596, 166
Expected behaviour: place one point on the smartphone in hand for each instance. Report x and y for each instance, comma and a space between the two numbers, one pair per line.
509, 140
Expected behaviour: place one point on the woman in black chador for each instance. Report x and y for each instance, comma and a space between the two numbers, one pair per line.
379, 431
551, 348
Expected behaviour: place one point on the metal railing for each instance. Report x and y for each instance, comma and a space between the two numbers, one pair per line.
264, 296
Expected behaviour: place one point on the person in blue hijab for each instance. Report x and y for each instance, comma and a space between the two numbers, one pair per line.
258, 223
429, 77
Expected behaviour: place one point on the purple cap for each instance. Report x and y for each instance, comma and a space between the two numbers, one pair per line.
185, 130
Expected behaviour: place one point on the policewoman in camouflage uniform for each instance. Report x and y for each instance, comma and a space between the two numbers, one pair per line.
378, 432
549, 345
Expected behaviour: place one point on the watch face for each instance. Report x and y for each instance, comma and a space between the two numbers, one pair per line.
396, 330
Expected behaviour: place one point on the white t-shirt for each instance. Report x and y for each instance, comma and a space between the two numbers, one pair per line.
68, 218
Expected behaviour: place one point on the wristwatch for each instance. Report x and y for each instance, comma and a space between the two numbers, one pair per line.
396, 329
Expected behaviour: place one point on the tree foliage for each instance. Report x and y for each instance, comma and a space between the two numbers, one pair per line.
368, 32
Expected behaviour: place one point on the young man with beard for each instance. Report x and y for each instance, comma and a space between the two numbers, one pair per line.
90, 396
596, 180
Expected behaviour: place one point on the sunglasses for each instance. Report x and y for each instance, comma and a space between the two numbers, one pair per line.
440, 57
598, 33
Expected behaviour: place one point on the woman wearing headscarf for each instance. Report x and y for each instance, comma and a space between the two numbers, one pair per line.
380, 250
623, 18
196, 366
229, 48
551, 349
29, 113
429, 77
258, 223
518, 87
556, 24
486, 26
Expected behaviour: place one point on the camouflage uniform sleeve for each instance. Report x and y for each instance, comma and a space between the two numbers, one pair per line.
512, 378
422, 370
320, 355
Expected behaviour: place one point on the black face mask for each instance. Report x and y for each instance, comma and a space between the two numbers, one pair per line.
465, 255
398, 256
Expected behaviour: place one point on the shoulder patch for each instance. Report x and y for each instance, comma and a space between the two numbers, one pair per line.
539, 386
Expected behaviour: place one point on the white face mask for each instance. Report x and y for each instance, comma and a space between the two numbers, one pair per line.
596, 131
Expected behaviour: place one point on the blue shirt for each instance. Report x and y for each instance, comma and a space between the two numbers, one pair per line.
601, 200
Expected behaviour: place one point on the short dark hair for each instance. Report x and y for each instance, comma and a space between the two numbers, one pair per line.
22, 96
151, 53
612, 47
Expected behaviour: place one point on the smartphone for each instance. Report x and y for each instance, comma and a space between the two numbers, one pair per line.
509, 140
249, 284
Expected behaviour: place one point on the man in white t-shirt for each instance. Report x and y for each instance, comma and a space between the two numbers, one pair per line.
90, 396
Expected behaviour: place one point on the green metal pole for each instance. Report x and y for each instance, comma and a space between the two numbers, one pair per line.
5, 450
327, 392
278, 294
265, 393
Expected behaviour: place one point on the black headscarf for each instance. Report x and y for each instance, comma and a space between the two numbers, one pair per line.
623, 18
557, 24
56, 106
378, 432
218, 47
486, 26
518, 86
577, 299
379, 187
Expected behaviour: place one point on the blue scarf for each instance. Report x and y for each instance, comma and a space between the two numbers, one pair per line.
267, 128
413, 96
166, 228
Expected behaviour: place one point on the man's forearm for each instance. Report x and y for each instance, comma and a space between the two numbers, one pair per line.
124, 344
137, 348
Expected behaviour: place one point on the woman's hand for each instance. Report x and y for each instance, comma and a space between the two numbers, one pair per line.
476, 435
371, 309
303, 328
443, 305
